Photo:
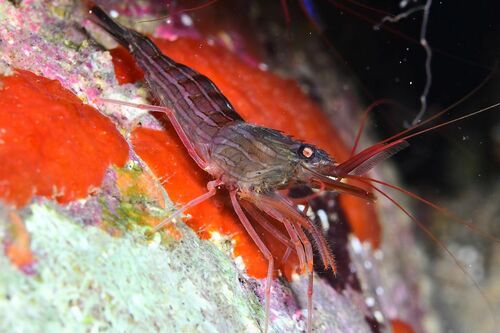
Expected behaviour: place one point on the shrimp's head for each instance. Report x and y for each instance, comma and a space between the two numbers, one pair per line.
313, 161
317, 167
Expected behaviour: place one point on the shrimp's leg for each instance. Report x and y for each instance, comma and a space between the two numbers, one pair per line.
310, 265
262, 247
257, 216
212, 189
291, 232
287, 218
171, 117
282, 210
285, 256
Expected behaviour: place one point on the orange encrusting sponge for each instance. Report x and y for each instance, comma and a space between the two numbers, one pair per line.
399, 326
17, 248
51, 144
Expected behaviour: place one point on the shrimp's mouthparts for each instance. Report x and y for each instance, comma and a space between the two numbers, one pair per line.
331, 182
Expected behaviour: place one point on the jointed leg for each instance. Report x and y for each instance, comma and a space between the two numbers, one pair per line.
260, 219
293, 214
299, 248
310, 266
287, 217
171, 117
262, 247
212, 189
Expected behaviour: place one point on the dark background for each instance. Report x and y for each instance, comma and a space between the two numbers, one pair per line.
457, 167
465, 39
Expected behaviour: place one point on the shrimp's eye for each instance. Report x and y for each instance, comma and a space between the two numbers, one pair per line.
307, 151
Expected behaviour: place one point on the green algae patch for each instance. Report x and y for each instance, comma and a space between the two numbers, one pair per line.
87, 280
136, 200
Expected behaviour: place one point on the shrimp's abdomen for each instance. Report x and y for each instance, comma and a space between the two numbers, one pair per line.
199, 106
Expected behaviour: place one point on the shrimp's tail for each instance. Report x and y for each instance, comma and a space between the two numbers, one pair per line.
141, 47
120, 33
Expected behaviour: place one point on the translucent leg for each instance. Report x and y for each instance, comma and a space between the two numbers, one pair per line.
263, 221
171, 117
299, 248
310, 282
212, 189
263, 248
310, 265
286, 255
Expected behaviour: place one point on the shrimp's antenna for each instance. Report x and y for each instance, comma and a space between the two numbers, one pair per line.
429, 234
449, 108
402, 35
369, 157
429, 203
185, 10
412, 135
364, 119
377, 152
426, 121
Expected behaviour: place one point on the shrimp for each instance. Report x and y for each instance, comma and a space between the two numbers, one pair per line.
254, 163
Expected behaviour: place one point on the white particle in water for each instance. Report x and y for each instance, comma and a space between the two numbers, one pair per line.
186, 20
